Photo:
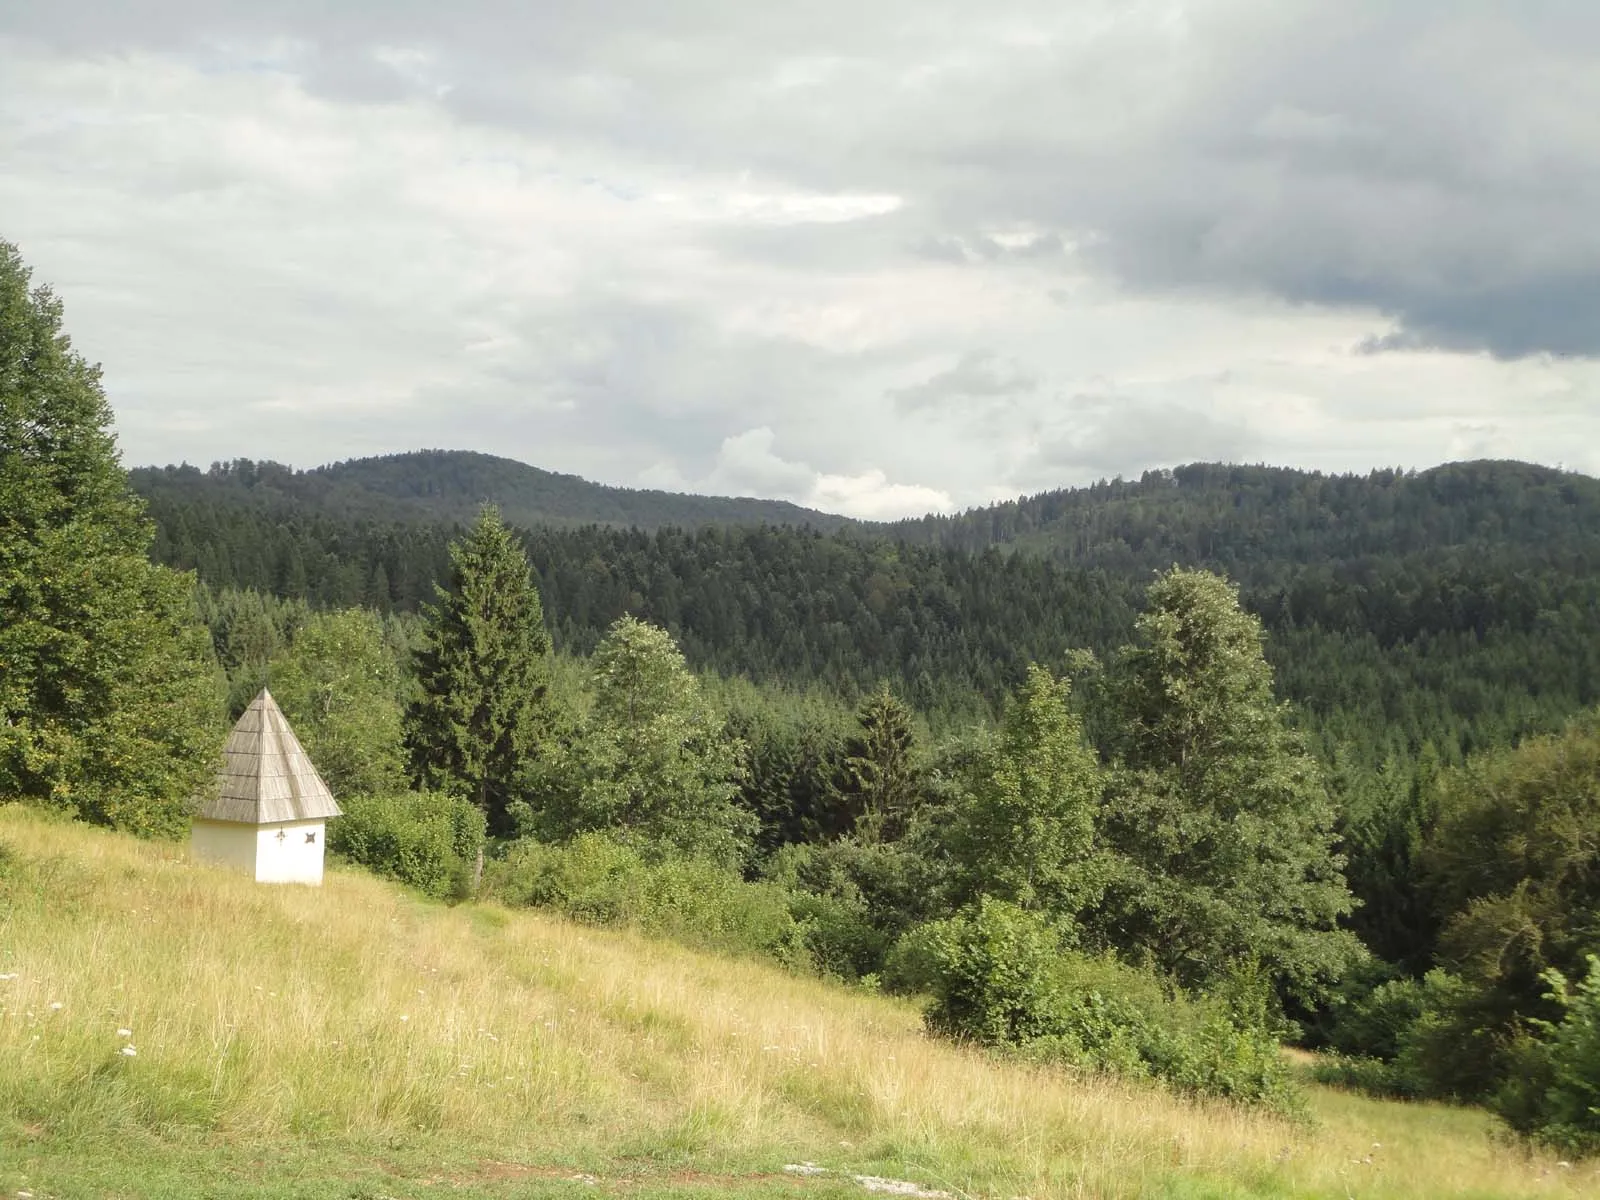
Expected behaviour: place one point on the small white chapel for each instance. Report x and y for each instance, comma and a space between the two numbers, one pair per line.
269, 812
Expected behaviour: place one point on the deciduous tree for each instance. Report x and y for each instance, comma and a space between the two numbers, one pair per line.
109, 697
1219, 816
1025, 831
340, 688
655, 761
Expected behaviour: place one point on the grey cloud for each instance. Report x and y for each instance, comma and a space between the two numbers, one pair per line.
1103, 435
979, 376
1434, 162
981, 248
1173, 174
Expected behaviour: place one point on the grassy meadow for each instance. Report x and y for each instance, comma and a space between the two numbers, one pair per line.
176, 1031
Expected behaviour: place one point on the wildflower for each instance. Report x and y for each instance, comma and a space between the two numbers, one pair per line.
129, 1052
55, 1006
124, 1033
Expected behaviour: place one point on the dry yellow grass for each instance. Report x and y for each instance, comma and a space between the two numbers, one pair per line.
344, 1016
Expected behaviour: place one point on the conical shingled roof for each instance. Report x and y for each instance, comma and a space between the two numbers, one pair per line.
266, 777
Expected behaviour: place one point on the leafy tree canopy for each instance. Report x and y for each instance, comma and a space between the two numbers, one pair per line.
108, 701
1221, 820
653, 758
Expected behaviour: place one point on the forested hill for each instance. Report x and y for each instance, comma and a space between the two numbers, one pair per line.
1455, 607
450, 486
1251, 521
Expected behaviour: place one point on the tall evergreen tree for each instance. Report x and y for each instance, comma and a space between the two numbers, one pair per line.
109, 700
475, 726
880, 783
1220, 817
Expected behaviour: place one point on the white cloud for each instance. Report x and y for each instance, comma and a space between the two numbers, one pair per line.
747, 465
871, 496
878, 260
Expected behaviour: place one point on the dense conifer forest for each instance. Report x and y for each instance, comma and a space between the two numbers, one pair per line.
1450, 609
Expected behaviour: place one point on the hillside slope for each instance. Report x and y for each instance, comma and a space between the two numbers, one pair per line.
353, 1041
449, 486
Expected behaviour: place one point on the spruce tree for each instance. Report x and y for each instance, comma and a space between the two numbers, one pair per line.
109, 698
475, 727
880, 785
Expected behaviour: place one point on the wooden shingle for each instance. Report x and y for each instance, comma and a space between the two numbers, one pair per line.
266, 776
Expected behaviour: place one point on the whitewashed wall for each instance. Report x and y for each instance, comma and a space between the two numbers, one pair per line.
290, 852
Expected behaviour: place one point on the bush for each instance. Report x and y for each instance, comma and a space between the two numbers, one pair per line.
1371, 1016
1435, 1038
1003, 977
855, 899
600, 880
1552, 1093
429, 840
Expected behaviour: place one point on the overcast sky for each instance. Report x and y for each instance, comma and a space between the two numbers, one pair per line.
876, 257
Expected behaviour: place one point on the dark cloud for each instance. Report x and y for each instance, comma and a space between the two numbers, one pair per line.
1437, 163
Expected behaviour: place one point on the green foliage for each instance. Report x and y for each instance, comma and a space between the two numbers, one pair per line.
450, 486
1219, 817
108, 698
1553, 1092
248, 630
601, 880
478, 721
857, 898
1025, 830
1376, 1019
339, 685
1514, 867
1447, 607
429, 840
1002, 976
792, 743
880, 785
1389, 816
653, 760
990, 971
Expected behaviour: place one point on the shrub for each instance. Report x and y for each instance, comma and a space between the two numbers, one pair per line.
1003, 977
1371, 1016
601, 880
1552, 1093
855, 899
1425, 1038
429, 840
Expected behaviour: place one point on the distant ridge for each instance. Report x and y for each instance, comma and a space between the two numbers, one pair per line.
1250, 521
1232, 517
451, 485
